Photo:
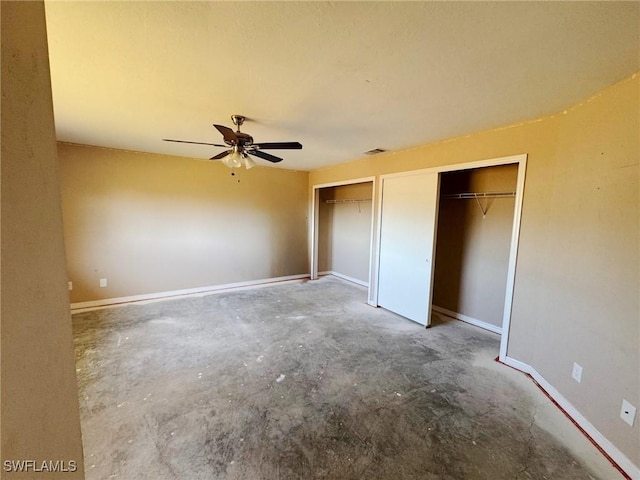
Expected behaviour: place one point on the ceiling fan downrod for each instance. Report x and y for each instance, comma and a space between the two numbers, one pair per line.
238, 120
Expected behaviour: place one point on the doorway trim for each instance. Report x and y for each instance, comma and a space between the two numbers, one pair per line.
521, 161
315, 217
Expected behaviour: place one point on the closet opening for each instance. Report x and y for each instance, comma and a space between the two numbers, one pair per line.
342, 221
474, 235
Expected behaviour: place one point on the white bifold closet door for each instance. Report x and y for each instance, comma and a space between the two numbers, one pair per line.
407, 245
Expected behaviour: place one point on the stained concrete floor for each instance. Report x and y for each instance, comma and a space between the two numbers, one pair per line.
305, 380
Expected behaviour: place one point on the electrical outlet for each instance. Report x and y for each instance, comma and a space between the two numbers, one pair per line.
576, 373
103, 282
628, 412
70, 285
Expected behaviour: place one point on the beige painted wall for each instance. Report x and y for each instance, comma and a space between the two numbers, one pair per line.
577, 277
344, 234
577, 291
472, 253
39, 403
152, 223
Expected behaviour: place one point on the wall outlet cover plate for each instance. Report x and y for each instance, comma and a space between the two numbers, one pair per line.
576, 373
628, 412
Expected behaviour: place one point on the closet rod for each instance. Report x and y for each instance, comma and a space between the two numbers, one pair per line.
475, 195
349, 200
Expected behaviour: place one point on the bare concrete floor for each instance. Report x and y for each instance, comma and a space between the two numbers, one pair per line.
305, 380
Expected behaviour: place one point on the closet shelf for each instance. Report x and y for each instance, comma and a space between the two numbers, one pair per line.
478, 195
349, 200
475, 195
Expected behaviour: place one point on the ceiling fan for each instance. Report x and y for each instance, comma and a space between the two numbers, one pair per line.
242, 146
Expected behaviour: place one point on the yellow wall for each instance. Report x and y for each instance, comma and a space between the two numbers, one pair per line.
577, 277
577, 285
39, 401
153, 223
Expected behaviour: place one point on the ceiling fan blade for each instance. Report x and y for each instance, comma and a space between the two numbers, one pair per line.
220, 155
197, 143
228, 134
264, 156
279, 145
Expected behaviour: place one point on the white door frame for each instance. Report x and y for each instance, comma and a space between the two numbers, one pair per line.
521, 161
315, 216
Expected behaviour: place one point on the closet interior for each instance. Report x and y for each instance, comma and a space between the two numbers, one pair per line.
475, 222
344, 231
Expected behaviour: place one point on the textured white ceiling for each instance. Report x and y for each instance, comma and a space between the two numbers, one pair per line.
340, 77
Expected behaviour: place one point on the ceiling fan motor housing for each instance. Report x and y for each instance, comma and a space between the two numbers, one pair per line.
243, 139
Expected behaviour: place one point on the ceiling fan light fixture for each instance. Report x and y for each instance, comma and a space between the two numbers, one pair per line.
248, 162
234, 159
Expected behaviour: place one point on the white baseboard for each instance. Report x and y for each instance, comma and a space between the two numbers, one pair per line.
467, 319
345, 277
598, 438
108, 302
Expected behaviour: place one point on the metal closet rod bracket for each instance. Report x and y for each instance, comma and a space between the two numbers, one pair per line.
478, 195
350, 200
